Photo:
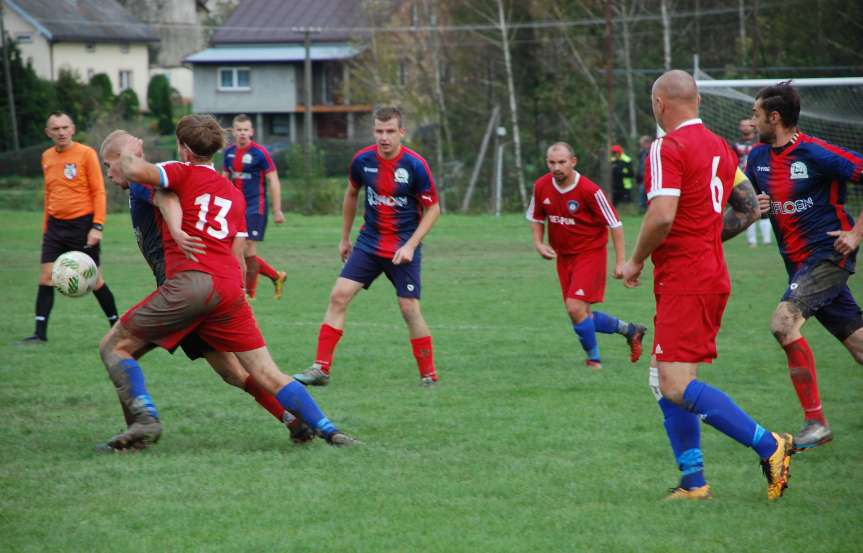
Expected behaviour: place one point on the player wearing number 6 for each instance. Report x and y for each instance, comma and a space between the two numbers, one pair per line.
691, 174
204, 295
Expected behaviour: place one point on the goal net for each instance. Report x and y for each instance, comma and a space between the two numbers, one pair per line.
831, 109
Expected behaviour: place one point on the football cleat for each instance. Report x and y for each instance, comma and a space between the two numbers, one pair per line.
34, 340
700, 493
633, 338
776, 468
137, 437
812, 435
313, 376
279, 284
340, 439
300, 431
428, 381
593, 364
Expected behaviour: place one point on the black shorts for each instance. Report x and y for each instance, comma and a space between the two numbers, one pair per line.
194, 346
63, 236
821, 290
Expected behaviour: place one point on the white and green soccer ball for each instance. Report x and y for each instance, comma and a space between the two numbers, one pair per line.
74, 274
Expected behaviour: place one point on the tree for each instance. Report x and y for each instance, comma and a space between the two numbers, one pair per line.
34, 99
101, 84
128, 104
159, 102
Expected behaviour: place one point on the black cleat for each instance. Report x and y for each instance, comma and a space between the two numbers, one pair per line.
34, 340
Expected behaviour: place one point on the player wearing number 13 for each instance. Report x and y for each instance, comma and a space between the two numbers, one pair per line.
691, 174
203, 295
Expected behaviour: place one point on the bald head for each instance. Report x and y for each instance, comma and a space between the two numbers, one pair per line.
114, 142
676, 86
563, 146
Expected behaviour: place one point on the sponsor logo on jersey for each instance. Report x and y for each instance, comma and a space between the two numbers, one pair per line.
230, 156
799, 170
370, 169
376, 199
70, 170
572, 206
247, 158
426, 197
401, 175
561, 220
791, 207
762, 168
546, 202
241, 175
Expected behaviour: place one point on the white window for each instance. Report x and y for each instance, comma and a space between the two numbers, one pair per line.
125, 79
124, 48
90, 47
24, 38
235, 78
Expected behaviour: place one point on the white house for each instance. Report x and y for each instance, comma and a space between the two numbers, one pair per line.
84, 36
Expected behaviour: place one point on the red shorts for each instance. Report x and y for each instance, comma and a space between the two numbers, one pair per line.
215, 308
582, 276
685, 327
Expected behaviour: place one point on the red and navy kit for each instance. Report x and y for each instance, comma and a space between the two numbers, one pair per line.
248, 168
397, 190
691, 281
578, 216
806, 182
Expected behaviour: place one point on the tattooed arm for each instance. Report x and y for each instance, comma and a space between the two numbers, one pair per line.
741, 212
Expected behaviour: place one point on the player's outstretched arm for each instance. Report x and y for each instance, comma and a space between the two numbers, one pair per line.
742, 210
135, 168
169, 206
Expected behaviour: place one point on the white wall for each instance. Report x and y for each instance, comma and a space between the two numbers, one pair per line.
38, 51
106, 58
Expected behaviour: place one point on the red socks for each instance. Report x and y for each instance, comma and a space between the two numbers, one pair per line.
267, 400
266, 269
328, 338
424, 355
801, 368
252, 270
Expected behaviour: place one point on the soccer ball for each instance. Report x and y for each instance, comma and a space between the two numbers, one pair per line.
74, 274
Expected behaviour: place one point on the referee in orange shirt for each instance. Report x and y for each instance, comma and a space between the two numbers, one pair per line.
75, 207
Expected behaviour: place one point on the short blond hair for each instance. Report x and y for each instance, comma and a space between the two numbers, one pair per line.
110, 140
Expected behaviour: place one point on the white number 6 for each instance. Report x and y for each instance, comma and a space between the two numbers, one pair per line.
716, 187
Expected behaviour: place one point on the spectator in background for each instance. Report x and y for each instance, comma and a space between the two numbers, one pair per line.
742, 148
643, 151
621, 175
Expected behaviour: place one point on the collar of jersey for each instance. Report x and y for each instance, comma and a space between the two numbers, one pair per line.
207, 165
570, 187
382, 159
696, 121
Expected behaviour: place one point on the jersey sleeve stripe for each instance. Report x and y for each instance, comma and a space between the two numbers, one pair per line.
664, 192
607, 212
163, 177
530, 214
655, 165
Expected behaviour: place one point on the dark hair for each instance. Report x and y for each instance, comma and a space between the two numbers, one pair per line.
202, 134
783, 99
387, 113
58, 114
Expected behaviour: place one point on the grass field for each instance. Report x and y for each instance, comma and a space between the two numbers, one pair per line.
519, 448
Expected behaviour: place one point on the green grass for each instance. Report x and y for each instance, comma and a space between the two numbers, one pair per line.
519, 448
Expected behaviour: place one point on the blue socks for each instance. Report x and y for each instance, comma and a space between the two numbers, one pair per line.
719, 411
587, 336
295, 398
137, 389
684, 433
605, 323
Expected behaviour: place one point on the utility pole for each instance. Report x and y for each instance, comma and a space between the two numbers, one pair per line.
609, 96
308, 101
10, 94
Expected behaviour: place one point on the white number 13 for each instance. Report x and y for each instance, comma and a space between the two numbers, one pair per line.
716, 187
224, 205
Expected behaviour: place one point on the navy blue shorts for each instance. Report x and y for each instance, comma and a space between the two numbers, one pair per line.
364, 267
821, 290
257, 225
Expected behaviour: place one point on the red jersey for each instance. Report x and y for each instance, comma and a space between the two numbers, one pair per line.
699, 167
578, 216
213, 210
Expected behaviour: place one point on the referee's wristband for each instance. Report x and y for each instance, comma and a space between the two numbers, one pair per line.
98, 227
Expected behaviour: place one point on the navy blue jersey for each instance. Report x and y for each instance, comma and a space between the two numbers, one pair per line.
396, 191
248, 168
147, 227
807, 185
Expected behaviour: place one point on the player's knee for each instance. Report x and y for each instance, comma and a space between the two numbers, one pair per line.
339, 299
782, 324
577, 311
410, 308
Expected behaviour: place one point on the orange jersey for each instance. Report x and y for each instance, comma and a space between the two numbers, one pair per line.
73, 183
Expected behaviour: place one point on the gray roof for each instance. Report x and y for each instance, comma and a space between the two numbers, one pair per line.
272, 21
272, 54
82, 20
